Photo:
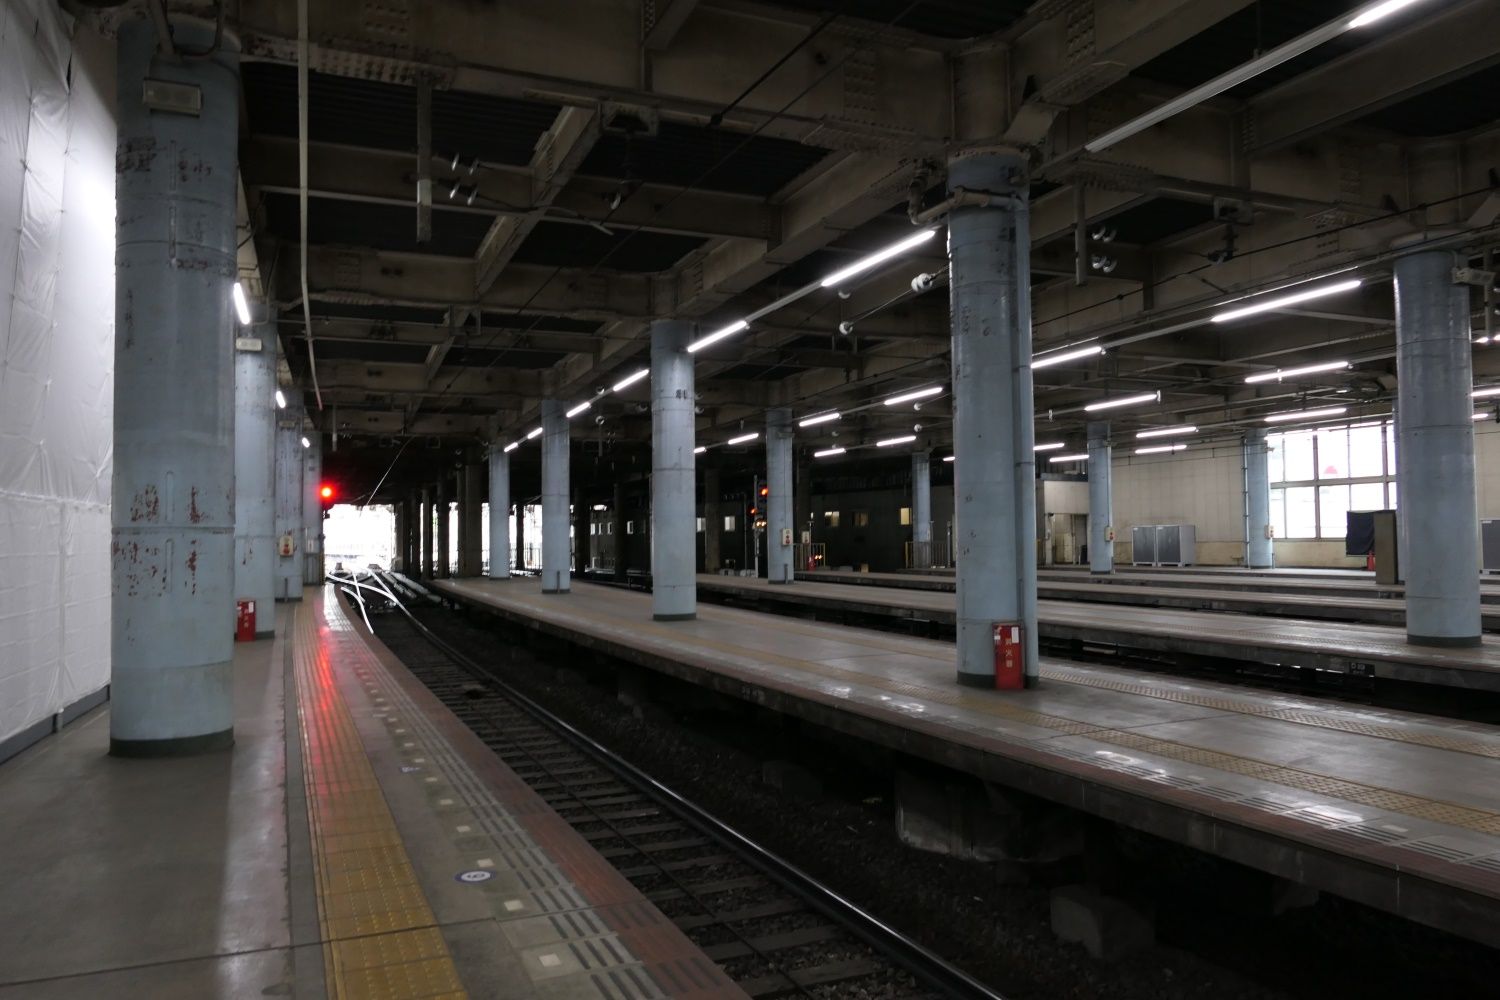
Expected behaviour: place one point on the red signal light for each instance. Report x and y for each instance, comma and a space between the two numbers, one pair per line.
326, 492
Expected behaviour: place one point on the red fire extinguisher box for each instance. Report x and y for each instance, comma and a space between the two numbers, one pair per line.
1010, 657
244, 622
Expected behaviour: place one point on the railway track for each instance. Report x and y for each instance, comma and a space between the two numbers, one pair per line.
773, 929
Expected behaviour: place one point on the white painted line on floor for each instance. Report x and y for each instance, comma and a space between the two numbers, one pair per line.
485, 863
419, 760
429, 780
461, 829
549, 961
445, 802
512, 905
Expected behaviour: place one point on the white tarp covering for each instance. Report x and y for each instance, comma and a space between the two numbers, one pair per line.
57, 306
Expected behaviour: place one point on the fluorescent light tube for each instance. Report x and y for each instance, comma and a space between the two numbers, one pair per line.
1049, 446
1062, 357
821, 418
534, 433
306, 443
280, 400
1486, 392
829, 452
1281, 373
581, 407
1282, 301
1070, 458
700, 449
717, 335
1483, 416
1378, 12
630, 380
240, 305
888, 442
512, 446
600, 506
1161, 449
948, 459
743, 438
1113, 404
907, 397
1327, 411
1161, 432
877, 258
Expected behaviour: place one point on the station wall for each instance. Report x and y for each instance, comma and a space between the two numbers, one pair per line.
57, 311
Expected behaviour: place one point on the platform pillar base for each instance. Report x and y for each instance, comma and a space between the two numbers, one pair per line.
1108, 928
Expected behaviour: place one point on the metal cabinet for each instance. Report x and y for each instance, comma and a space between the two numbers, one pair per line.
1489, 546
1163, 545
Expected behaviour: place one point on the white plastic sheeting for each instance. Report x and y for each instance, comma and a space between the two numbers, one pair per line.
57, 289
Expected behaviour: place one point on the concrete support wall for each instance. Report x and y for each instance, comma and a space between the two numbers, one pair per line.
674, 507
995, 468
1101, 515
254, 475
173, 512
556, 571
312, 510
499, 513
780, 539
1435, 375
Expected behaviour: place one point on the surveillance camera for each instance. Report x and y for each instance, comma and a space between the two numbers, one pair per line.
846, 328
923, 283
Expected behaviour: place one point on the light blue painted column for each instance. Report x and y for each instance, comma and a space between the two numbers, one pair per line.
289, 466
989, 251
779, 551
1101, 498
1434, 373
674, 536
254, 472
312, 511
172, 544
1259, 552
557, 577
499, 512
921, 508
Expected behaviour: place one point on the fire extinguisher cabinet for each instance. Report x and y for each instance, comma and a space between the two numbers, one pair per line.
1010, 656
244, 621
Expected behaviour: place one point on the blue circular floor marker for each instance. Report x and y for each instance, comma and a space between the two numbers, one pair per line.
477, 875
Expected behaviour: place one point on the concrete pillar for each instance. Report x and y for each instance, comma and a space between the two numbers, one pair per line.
1434, 373
499, 512
779, 533
426, 533
921, 509
413, 533
1402, 535
470, 540
621, 564
288, 500
1258, 544
713, 521
995, 470
1101, 498
312, 511
254, 474
173, 522
520, 535
398, 544
556, 575
674, 486
442, 559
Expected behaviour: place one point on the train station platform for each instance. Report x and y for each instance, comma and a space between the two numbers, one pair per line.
1211, 628
1395, 810
357, 841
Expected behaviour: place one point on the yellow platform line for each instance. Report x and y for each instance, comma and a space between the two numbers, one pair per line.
380, 937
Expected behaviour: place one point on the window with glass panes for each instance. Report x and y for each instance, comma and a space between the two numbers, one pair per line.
1318, 476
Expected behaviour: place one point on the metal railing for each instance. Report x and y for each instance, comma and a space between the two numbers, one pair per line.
936, 554
809, 556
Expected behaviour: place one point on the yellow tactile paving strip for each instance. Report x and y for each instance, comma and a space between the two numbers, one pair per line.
380, 938
1478, 820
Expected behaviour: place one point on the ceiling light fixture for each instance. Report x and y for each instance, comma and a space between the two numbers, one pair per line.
512, 446
829, 452
700, 449
630, 380
1161, 432
1282, 301
821, 418
877, 258
1160, 449
280, 400
580, 408
534, 433
744, 438
240, 305
1281, 373
1114, 404
891, 442
1327, 411
1049, 446
1069, 458
1062, 357
306, 443
1379, 12
1481, 415
907, 397
948, 459
1486, 392
717, 335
